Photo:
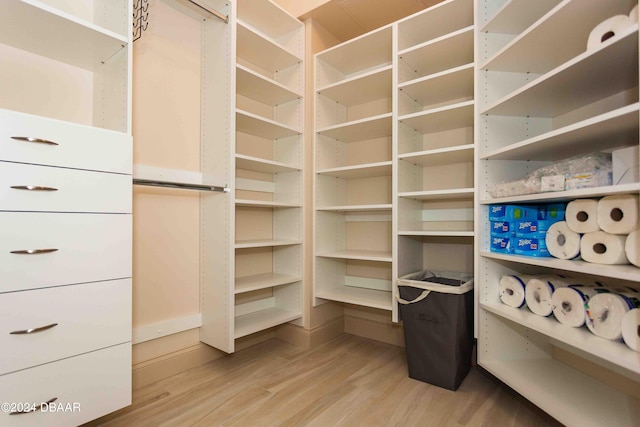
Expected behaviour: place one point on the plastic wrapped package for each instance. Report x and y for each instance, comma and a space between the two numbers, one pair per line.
584, 171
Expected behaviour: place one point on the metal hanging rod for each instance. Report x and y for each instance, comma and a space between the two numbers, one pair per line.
214, 12
179, 185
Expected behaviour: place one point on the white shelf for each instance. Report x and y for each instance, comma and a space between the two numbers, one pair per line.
265, 53
267, 91
261, 165
624, 272
442, 18
582, 339
356, 208
449, 51
443, 156
565, 196
358, 296
569, 396
361, 89
263, 281
265, 204
367, 170
437, 233
530, 53
440, 119
515, 16
43, 30
570, 85
357, 255
263, 319
448, 85
359, 54
265, 243
259, 126
360, 130
270, 18
452, 194
598, 133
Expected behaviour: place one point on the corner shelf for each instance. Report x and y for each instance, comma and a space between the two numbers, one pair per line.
360, 130
515, 16
256, 49
440, 119
361, 255
263, 281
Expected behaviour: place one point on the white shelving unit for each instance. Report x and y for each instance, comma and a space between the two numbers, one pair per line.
433, 141
353, 171
264, 261
537, 105
65, 115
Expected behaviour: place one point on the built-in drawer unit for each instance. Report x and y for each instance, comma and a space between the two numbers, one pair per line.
30, 139
44, 188
84, 387
40, 250
45, 325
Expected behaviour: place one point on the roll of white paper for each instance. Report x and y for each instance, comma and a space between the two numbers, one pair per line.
511, 290
569, 304
632, 248
608, 29
538, 293
618, 214
582, 215
605, 312
633, 15
631, 329
562, 242
603, 248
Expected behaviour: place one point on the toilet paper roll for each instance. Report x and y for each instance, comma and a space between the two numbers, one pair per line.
562, 242
633, 15
632, 248
511, 290
538, 293
607, 29
631, 329
582, 215
605, 312
618, 214
569, 304
603, 248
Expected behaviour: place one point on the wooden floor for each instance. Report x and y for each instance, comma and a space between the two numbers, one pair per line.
350, 381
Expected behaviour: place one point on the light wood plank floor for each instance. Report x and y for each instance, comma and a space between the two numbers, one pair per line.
350, 381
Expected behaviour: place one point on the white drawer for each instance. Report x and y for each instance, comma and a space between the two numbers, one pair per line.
44, 188
72, 320
88, 248
79, 146
97, 383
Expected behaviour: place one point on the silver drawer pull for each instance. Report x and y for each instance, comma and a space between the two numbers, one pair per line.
33, 330
34, 408
33, 188
36, 140
33, 251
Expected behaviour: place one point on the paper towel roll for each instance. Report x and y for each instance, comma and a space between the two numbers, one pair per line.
605, 312
603, 248
569, 304
511, 290
632, 248
582, 215
618, 214
607, 29
631, 329
538, 293
562, 242
633, 15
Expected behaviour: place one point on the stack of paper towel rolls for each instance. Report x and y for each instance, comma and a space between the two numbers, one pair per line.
612, 313
601, 231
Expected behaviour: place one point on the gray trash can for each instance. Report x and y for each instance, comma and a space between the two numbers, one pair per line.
437, 314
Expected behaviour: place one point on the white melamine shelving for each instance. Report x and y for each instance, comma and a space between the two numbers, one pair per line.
359, 130
540, 105
441, 119
263, 260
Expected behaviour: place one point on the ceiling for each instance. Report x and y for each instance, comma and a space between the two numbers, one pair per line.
346, 19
